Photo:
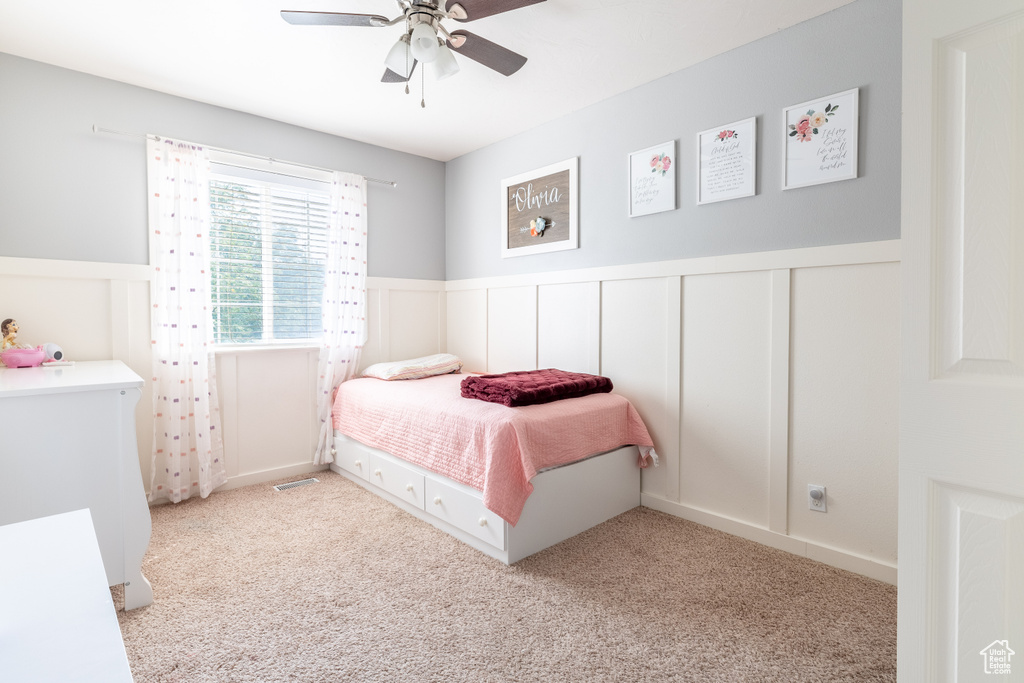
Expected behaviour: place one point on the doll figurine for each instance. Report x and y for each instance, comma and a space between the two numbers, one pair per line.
9, 330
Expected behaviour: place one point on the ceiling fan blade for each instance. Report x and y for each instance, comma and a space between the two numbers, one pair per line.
468, 10
332, 18
491, 55
393, 77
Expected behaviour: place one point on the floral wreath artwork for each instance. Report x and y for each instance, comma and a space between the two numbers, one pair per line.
821, 140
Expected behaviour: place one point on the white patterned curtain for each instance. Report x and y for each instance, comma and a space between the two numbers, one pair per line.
344, 300
188, 454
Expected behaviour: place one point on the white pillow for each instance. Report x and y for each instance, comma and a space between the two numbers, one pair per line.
415, 368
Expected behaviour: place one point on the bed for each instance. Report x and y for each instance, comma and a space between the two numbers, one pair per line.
507, 481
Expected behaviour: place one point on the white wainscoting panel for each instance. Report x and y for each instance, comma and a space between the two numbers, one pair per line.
414, 323
726, 394
373, 351
845, 406
512, 329
755, 373
98, 311
569, 327
268, 409
74, 313
640, 352
467, 328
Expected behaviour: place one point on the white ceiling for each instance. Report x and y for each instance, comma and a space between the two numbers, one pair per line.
240, 54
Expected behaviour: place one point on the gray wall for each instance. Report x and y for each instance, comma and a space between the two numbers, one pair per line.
68, 193
856, 46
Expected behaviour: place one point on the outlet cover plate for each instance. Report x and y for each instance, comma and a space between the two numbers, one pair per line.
820, 504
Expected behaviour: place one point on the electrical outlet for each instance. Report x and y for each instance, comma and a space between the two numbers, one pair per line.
816, 498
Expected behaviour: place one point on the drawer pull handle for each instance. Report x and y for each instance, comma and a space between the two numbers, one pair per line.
437, 500
408, 487
334, 451
358, 463
483, 521
377, 472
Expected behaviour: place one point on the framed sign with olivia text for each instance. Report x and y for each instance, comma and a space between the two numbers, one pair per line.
539, 210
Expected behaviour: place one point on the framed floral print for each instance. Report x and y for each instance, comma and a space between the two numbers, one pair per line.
652, 180
726, 166
821, 141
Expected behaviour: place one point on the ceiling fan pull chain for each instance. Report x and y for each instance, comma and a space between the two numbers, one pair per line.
423, 97
408, 75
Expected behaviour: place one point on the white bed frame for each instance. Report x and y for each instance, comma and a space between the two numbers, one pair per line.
565, 501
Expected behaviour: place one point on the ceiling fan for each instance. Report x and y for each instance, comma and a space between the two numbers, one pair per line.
426, 39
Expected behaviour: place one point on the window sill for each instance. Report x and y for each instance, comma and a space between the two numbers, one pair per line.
237, 349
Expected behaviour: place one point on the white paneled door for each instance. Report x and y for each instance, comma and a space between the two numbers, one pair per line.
961, 525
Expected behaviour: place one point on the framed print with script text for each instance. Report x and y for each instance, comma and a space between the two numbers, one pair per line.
652, 180
539, 210
726, 168
821, 141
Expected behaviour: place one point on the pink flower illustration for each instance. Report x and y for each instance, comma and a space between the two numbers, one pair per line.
660, 162
807, 126
726, 134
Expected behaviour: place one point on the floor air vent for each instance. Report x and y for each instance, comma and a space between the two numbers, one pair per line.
293, 484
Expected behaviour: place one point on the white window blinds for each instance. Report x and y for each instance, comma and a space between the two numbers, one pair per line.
268, 253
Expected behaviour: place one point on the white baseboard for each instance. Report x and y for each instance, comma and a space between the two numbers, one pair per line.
271, 475
831, 556
261, 477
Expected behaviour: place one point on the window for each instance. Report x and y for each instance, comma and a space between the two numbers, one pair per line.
268, 250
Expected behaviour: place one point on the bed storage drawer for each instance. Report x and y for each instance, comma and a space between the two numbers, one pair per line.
397, 479
464, 510
352, 457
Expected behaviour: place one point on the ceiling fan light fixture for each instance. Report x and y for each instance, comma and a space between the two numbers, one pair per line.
423, 43
398, 59
445, 65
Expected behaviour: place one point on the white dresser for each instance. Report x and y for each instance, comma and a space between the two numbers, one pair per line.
67, 442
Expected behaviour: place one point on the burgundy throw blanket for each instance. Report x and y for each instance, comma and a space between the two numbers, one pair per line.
533, 386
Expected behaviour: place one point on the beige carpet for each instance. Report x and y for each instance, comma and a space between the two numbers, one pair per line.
329, 583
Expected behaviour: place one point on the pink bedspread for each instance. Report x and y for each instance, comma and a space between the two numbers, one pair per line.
490, 447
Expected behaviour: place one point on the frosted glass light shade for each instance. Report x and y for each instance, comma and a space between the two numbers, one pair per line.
445, 64
423, 43
398, 59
